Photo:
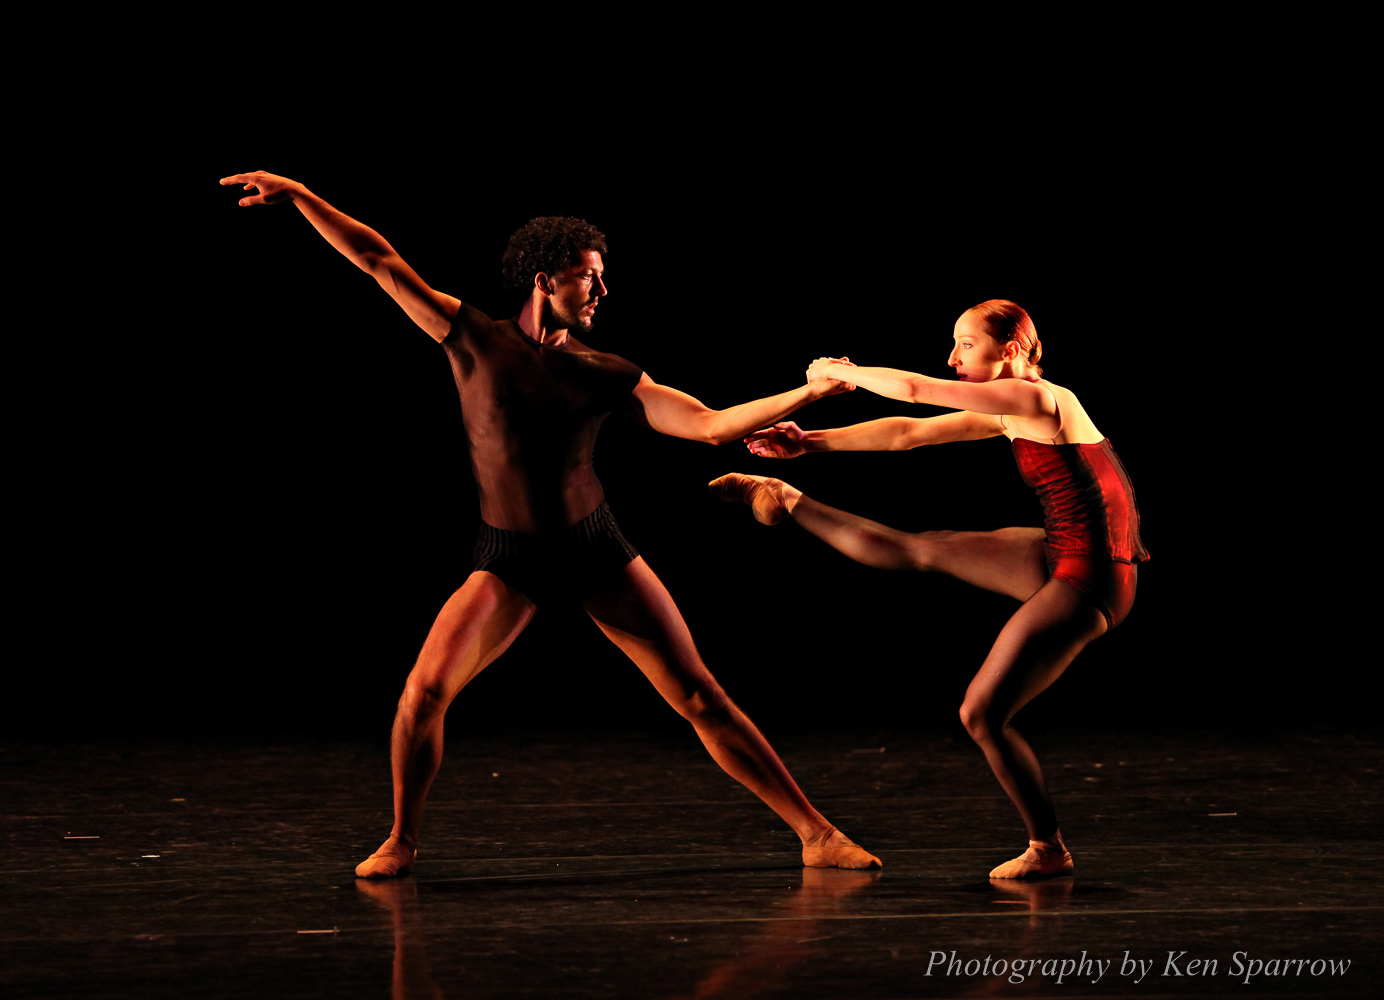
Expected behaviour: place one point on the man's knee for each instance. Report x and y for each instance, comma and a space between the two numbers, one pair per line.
423, 698
705, 703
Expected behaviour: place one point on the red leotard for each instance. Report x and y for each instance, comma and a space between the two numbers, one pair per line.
1090, 517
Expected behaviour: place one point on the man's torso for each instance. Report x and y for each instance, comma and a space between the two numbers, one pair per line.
531, 413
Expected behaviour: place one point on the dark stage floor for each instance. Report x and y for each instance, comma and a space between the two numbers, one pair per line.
599, 865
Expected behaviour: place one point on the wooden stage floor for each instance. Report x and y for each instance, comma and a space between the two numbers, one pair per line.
572, 864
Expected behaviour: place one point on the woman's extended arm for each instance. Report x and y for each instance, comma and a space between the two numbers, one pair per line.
1014, 396
788, 440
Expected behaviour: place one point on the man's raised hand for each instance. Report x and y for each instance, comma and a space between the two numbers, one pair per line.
271, 187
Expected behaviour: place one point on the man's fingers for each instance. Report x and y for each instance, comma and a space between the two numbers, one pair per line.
249, 182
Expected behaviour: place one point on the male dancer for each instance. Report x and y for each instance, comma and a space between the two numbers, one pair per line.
533, 398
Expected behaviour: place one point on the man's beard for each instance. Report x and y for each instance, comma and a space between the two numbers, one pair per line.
573, 324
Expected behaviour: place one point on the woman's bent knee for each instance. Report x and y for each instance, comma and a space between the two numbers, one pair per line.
981, 722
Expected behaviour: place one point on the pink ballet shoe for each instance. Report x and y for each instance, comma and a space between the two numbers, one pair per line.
391, 860
736, 487
1041, 860
834, 849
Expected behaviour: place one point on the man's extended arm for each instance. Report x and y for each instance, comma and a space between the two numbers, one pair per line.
670, 411
432, 310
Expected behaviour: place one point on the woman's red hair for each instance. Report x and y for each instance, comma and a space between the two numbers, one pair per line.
1008, 321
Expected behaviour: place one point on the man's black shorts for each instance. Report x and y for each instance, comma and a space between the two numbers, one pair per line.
556, 566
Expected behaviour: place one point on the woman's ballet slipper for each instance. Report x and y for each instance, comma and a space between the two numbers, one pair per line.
834, 849
1041, 860
736, 487
392, 859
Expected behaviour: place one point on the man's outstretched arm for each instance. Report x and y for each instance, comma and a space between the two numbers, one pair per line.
675, 413
432, 310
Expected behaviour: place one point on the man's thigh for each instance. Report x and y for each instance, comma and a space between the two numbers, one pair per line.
637, 613
476, 625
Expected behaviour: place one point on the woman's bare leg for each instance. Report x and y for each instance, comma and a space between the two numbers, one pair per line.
475, 626
639, 616
1009, 561
1033, 649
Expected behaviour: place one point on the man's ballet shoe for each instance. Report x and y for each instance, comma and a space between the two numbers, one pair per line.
834, 849
736, 487
1041, 860
392, 859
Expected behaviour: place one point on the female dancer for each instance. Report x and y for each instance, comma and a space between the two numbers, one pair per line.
1075, 576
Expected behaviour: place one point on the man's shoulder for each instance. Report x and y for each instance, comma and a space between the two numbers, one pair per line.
612, 376
605, 357
471, 323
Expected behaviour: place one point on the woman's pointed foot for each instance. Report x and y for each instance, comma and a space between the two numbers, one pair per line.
763, 495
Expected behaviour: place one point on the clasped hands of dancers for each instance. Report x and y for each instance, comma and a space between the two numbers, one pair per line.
533, 399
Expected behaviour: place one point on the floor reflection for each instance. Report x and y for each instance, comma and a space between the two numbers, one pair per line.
792, 934
412, 972
1036, 898
777, 939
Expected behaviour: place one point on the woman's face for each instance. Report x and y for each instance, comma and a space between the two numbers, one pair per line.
976, 356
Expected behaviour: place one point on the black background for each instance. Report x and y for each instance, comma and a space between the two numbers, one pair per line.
243, 481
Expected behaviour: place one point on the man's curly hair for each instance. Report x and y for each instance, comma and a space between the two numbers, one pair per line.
548, 245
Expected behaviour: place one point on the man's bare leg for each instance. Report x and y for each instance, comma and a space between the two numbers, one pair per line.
475, 626
639, 616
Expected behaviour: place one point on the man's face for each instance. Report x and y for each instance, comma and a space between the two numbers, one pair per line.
574, 292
